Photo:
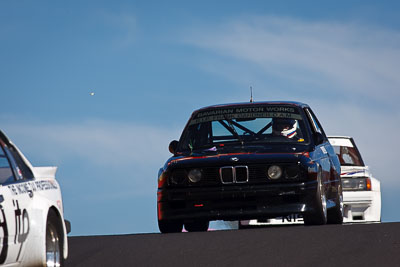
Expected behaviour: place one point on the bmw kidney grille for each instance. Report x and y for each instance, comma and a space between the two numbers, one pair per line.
231, 174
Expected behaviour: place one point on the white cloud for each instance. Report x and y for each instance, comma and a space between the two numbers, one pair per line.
99, 142
121, 158
128, 24
349, 58
122, 27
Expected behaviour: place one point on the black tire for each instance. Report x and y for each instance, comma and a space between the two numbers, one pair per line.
319, 216
335, 215
170, 226
197, 226
54, 241
242, 226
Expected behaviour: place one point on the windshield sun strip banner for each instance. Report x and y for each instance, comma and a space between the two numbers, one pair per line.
254, 115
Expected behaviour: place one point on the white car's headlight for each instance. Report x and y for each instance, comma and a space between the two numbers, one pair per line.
356, 184
274, 172
195, 175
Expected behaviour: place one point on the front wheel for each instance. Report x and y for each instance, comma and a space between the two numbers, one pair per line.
170, 226
197, 226
335, 215
54, 241
243, 224
319, 216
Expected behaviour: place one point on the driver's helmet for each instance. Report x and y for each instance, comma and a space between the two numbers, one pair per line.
284, 127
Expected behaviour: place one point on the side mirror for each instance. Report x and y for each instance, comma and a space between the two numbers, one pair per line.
172, 146
318, 138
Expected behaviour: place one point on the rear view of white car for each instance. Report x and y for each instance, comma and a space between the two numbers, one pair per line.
32, 227
361, 191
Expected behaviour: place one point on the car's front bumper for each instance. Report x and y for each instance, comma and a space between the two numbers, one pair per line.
236, 201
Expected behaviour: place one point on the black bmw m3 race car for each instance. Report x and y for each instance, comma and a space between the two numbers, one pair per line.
245, 161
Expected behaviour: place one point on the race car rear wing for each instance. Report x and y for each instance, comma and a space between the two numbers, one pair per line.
45, 172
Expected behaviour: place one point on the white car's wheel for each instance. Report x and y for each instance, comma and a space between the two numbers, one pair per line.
54, 244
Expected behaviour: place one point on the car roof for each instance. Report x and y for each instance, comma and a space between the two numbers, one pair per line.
339, 137
260, 103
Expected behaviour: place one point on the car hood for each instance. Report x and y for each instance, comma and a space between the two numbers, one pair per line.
230, 159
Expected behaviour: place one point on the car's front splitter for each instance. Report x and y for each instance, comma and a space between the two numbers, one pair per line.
236, 202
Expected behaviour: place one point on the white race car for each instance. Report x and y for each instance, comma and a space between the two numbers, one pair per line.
361, 191
32, 227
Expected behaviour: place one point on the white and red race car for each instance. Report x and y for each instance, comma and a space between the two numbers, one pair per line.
32, 227
361, 191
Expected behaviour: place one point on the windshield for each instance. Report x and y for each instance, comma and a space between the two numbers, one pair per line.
348, 156
244, 125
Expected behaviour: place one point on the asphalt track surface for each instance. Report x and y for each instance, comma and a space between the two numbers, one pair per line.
327, 245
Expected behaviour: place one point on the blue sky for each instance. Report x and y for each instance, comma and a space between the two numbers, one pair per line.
151, 63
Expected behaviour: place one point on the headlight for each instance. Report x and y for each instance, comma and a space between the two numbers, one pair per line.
178, 177
356, 184
194, 175
274, 172
292, 171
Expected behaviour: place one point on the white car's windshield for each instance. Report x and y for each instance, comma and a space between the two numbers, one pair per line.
346, 151
348, 156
